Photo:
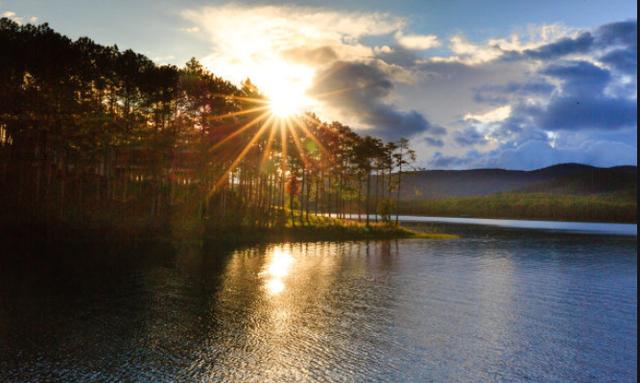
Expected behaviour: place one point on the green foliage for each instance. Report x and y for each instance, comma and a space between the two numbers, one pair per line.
599, 208
384, 209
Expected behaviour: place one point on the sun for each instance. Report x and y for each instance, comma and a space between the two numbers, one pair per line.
288, 98
284, 106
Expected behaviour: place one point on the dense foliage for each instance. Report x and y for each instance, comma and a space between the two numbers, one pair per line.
615, 207
94, 135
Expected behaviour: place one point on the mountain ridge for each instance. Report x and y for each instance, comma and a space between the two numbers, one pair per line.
569, 178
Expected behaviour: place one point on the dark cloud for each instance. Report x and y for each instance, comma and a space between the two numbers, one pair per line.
503, 94
562, 47
358, 90
436, 142
391, 125
444, 162
583, 103
621, 33
622, 60
469, 137
579, 78
438, 131
587, 112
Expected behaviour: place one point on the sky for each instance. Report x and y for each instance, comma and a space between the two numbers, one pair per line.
514, 84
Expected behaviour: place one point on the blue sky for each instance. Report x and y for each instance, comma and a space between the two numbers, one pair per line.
517, 84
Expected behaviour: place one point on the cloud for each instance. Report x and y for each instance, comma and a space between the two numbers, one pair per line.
317, 56
502, 94
435, 142
563, 47
501, 99
579, 77
499, 114
580, 101
358, 91
241, 32
18, 19
399, 55
471, 53
470, 137
537, 155
418, 42
624, 33
622, 60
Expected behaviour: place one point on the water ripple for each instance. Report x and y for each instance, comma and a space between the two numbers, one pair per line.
509, 307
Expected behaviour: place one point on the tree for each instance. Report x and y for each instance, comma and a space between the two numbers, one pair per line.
404, 157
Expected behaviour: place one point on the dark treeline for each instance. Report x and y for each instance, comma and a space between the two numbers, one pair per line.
93, 135
612, 207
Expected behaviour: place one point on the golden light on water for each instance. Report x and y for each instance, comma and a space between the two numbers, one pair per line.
276, 271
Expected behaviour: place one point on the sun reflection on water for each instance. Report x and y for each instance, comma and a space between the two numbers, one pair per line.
276, 270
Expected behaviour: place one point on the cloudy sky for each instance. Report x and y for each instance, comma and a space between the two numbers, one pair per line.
473, 84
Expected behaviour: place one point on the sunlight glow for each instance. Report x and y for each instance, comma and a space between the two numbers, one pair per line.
276, 270
286, 88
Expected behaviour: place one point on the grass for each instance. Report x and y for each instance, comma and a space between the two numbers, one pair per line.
184, 226
316, 228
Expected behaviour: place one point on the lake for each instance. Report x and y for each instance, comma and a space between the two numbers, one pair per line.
500, 304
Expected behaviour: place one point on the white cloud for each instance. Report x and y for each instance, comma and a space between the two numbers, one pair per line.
282, 47
533, 37
383, 49
20, 20
244, 32
495, 115
418, 42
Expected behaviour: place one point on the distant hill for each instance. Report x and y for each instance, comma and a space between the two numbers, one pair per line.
590, 182
571, 179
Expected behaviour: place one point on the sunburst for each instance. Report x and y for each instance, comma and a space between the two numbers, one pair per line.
283, 111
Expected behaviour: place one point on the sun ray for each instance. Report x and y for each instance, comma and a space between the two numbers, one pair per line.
296, 140
239, 98
304, 126
284, 143
240, 113
240, 131
267, 150
235, 163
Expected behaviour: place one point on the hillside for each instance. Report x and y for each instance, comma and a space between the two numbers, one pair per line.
569, 192
574, 179
590, 182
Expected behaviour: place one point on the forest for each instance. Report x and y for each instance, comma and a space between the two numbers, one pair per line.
95, 138
619, 207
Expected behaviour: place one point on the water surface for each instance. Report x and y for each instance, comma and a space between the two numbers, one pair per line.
497, 305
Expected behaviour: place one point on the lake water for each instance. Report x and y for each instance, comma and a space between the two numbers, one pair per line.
497, 305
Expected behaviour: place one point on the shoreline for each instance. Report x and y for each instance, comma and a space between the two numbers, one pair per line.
32, 231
